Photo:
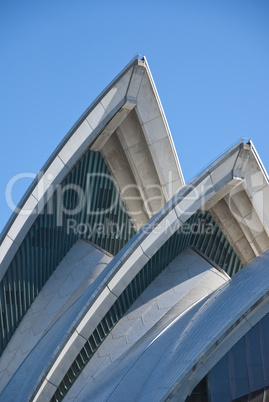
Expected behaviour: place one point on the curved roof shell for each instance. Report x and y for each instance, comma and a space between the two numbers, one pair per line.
115, 152
206, 190
125, 121
234, 189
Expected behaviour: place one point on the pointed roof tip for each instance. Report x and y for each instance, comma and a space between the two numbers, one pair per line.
139, 56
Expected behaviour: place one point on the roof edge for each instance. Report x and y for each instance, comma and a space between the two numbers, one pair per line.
31, 187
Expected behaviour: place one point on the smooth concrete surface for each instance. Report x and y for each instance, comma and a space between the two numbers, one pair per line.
112, 126
159, 234
69, 152
117, 271
126, 259
241, 213
138, 73
73, 276
145, 361
130, 154
149, 112
134, 86
186, 280
123, 277
235, 309
125, 265
146, 159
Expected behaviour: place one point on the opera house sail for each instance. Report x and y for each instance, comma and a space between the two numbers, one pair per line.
119, 281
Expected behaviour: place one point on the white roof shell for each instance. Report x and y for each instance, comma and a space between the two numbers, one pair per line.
234, 189
208, 189
127, 113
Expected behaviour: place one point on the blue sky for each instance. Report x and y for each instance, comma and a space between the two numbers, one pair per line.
209, 60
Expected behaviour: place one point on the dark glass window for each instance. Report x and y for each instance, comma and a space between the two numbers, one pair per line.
243, 373
254, 359
238, 370
220, 381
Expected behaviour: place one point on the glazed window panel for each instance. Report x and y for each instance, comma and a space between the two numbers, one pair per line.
254, 359
264, 337
238, 370
220, 382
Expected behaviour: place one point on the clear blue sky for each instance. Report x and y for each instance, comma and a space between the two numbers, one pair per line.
209, 60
